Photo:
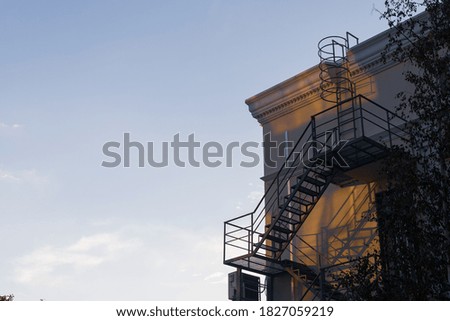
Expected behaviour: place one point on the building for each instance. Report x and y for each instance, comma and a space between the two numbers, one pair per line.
326, 131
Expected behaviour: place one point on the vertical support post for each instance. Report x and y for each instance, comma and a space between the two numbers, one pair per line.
224, 241
250, 243
314, 134
278, 190
333, 42
362, 117
238, 284
338, 117
355, 133
250, 240
269, 289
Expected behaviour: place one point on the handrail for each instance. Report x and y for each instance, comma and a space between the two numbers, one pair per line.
354, 98
287, 176
342, 102
383, 108
239, 217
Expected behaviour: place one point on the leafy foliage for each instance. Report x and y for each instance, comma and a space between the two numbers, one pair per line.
413, 217
418, 172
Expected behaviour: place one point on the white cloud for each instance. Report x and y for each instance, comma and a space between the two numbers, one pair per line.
109, 243
255, 195
214, 275
158, 261
52, 265
196, 251
30, 176
216, 278
8, 176
10, 126
19, 185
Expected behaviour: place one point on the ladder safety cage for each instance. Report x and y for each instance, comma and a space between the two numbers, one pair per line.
334, 74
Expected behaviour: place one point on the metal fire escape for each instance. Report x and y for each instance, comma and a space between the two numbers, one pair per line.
336, 140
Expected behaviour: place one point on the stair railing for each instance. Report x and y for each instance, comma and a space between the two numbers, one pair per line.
242, 235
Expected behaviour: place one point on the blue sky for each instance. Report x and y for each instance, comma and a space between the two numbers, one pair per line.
77, 74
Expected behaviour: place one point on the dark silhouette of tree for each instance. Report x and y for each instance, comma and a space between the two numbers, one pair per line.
417, 201
413, 213
8, 297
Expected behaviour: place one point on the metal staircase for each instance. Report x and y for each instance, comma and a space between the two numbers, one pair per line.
294, 210
354, 132
322, 155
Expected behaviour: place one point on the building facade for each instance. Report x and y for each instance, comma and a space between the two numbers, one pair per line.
326, 131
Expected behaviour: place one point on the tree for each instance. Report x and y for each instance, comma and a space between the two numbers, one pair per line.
418, 172
8, 297
413, 217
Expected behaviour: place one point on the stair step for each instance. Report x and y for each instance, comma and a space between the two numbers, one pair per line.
268, 248
305, 190
279, 228
293, 210
288, 220
313, 181
325, 173
299, 200
308, 191
276, 239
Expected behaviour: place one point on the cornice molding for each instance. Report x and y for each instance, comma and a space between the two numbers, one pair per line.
371, 68
287, 106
